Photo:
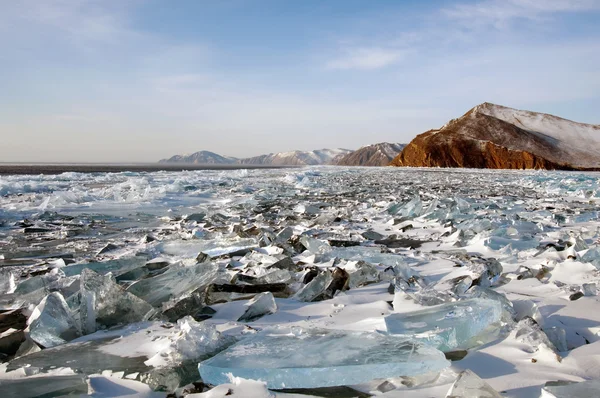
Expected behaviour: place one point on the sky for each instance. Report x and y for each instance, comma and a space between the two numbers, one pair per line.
142, 80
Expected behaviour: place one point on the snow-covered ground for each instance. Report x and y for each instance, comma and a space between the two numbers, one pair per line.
444, 227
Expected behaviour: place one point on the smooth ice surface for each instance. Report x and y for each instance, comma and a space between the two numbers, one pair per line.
104, 303
469, 385
320, 358
262, 304
448, 326
51, 322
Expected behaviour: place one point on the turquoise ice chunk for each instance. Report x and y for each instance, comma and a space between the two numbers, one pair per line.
448, 326
314, 358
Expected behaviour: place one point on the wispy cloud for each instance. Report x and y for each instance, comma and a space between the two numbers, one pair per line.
500, 13
366, 58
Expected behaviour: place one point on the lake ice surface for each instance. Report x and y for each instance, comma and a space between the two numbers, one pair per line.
384, 242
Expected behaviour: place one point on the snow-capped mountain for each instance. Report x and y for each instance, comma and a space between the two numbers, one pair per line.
297, 158
371, 155
293, 158
495, 136
201, 157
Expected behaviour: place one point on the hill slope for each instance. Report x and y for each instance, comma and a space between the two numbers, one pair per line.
201, 157
297, 158
371, 155
494, 136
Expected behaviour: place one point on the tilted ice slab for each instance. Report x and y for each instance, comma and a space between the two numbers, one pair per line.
176, 282
469, 385
51, 323
321, 358
448, 326
584, 389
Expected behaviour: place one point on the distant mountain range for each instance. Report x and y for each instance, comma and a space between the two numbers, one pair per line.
297, 158
487, 136
293, 158
498, 137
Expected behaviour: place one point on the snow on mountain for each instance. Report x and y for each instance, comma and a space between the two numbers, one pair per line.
495, 136
201, 157
297, 158
579, 143
371, 155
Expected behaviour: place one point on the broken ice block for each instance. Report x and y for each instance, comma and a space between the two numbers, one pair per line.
117, 267
469, 385
314, 246
410, 209
589, 289
50, 386
569, 389
51, 323
176, 282
592, 256
509, 313
529, 332
262, 304
212, 248
449, 326
323, 286
558, 337
321, 358
105, 303
361, 273
163, 356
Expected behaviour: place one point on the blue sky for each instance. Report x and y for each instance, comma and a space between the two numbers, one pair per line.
140, 80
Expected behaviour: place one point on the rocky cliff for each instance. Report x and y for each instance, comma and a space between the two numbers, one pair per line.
493, 136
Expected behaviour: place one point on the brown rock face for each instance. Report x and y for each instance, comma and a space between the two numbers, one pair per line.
477, 140
371, 155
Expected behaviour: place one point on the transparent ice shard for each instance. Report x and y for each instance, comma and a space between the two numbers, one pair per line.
275, 276
262, 304
48, 386
592, 256
558, 337
321, 358
195, 340
7, 282
165, 356
469, 385
569, 389
51, 323
314, 246
104, 303
498, 242
508, 312
527, 331
449, 326
361, 273
117, 267
323, 286
176, 282
410, 209
589, 289
212, 248
315, 287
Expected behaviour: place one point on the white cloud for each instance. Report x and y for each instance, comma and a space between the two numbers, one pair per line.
366, 58
500, 12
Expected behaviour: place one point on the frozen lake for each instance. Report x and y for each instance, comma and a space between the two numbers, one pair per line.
274, 253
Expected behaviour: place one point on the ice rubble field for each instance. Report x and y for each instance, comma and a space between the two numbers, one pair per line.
391, 282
